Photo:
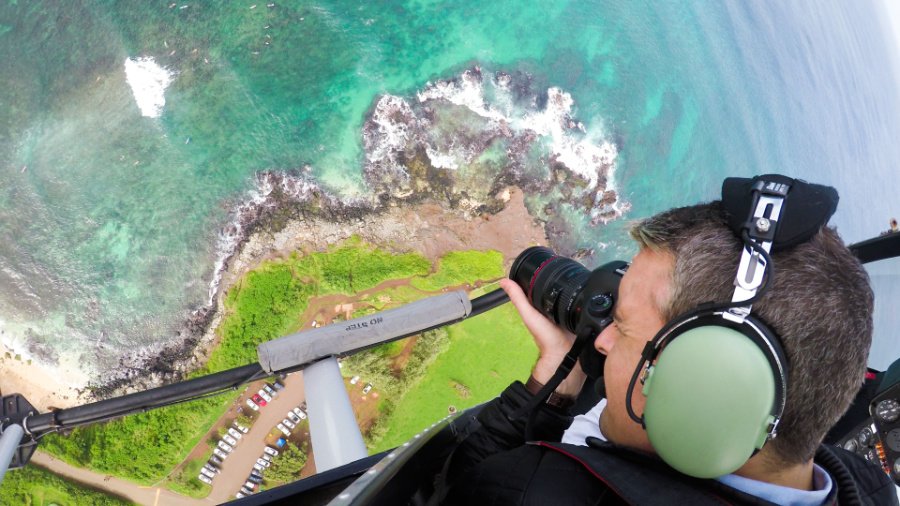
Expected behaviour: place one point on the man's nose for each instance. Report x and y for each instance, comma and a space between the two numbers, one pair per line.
606, 340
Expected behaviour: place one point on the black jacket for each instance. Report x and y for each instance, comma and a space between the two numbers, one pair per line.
494, 465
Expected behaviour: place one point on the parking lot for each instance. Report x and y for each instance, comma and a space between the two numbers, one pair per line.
237, 466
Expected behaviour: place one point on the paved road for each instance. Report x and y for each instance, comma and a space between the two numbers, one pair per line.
238, 465
148, 496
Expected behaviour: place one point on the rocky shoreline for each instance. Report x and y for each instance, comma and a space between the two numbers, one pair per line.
474, 184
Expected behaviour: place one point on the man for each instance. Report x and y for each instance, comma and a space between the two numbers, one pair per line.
820, 304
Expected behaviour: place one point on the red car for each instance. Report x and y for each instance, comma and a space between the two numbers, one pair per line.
259, 400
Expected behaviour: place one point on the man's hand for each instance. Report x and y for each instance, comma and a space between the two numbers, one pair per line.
552, 341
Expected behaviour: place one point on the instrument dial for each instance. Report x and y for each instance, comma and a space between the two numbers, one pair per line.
851, 445
888, 410
893, 440
864, 437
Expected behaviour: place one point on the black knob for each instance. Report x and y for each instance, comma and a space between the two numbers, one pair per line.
600, 305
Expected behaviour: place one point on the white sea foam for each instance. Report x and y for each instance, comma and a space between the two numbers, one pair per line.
467, 91
148, 82
392, 120
582, 150
441, 160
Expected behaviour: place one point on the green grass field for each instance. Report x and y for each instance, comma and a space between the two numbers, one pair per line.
33, 486
461, 267
485, 354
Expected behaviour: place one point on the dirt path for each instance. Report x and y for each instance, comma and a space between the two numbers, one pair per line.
148, 496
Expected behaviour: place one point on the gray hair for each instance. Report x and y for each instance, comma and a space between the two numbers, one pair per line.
819, 304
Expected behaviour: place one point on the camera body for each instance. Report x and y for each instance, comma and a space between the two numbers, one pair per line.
570, 295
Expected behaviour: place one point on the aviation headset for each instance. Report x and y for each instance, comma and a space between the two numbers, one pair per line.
716, 377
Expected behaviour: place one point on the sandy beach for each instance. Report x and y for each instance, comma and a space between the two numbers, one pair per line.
428, 228
45, 387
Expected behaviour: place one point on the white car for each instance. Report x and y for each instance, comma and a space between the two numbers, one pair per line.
252, 405
207, 472
267, 457
294, 418
241, 427
234, 433
354, 380
227, 448
230, 440
287, 423
263, 462
239, 495
283, 429
265, 395
269, 390
300, 413
211, 468
219, 453
367, 388
258, 467
204, 478
271, 451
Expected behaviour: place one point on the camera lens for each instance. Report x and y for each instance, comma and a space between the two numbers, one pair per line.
553, 284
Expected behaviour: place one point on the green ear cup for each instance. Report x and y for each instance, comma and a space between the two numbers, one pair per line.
709, 401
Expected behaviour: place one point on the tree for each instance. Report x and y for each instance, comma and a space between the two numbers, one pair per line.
286, 466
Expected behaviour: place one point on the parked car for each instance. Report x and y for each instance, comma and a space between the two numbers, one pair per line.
254, 472
300, 413
246, 490
263, 462
252, 405
204, 478
278, 385
265, 395
241, 427
215, 460
367, 388
227, 448
267, 457
230, 440
240, 495
250, 485
354, 380
269, 390
258, 467
289, 424
294, 418
259, 400
219, 453
283, 429
207, 472
234, 433
255, 479
211, 468
271, 451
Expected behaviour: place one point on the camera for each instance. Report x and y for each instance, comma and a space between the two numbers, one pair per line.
569, 294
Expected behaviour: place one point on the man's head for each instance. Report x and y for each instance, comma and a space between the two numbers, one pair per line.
819, 303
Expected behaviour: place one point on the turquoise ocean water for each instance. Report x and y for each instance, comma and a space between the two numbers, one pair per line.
110, 220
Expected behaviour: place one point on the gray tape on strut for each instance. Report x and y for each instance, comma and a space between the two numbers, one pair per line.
341, 337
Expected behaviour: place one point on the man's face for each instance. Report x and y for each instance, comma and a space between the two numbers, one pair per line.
644, 287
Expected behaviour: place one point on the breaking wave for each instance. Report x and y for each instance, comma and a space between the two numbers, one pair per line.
148, 81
